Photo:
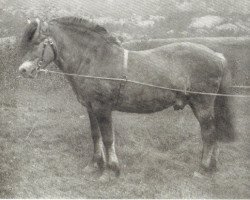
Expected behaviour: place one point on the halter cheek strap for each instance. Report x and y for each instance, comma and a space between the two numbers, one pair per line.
45, 43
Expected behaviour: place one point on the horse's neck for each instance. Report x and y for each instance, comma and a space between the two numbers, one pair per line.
70, 56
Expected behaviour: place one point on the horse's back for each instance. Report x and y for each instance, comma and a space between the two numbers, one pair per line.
192, 48
140, 45
190, 55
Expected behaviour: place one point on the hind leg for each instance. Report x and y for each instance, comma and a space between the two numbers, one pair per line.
204, 113
98, 160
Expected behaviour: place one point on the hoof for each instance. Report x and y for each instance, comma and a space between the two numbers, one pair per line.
209, 165
209, 168
105, 177
199, 175
96, 164
115, 168
111, 172
91, 168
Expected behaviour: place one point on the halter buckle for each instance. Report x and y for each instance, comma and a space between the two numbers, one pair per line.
40, 63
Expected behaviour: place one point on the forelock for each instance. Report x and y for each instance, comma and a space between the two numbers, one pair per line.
28, 34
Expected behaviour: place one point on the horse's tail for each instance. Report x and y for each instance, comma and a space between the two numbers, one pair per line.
223, 110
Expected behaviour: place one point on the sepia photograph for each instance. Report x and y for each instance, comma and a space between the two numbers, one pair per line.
124, 99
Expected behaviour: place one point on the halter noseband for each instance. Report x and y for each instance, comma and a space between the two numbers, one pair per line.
45, 43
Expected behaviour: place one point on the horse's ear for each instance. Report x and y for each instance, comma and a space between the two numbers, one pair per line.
37, 33
44, 27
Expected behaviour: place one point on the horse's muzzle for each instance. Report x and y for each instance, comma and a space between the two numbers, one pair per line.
28, 69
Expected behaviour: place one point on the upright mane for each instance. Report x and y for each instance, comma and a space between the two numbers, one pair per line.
83, 25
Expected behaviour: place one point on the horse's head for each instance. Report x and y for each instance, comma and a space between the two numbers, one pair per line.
37, 48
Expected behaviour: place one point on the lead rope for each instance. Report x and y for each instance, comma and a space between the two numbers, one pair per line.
144, 84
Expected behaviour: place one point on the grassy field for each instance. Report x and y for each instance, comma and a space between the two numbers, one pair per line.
45, 144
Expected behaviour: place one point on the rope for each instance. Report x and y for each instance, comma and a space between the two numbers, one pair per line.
241, 86
143, 84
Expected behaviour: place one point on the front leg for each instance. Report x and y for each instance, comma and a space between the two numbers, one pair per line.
104, 118
98, 157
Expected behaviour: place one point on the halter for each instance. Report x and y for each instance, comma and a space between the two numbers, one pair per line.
45, 43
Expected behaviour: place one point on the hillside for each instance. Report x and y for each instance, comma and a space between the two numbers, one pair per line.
138, 19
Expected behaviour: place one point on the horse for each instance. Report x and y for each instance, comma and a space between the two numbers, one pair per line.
235, 50
83, 48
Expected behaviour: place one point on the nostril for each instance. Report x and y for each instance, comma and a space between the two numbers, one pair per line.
23, 71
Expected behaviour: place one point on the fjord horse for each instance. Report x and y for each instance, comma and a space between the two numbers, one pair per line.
80, 47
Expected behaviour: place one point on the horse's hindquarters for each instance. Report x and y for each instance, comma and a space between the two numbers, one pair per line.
143, 99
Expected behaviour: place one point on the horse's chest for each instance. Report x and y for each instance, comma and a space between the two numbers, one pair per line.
78, 89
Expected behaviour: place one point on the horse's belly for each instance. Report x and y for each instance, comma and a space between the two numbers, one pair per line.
142, 99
